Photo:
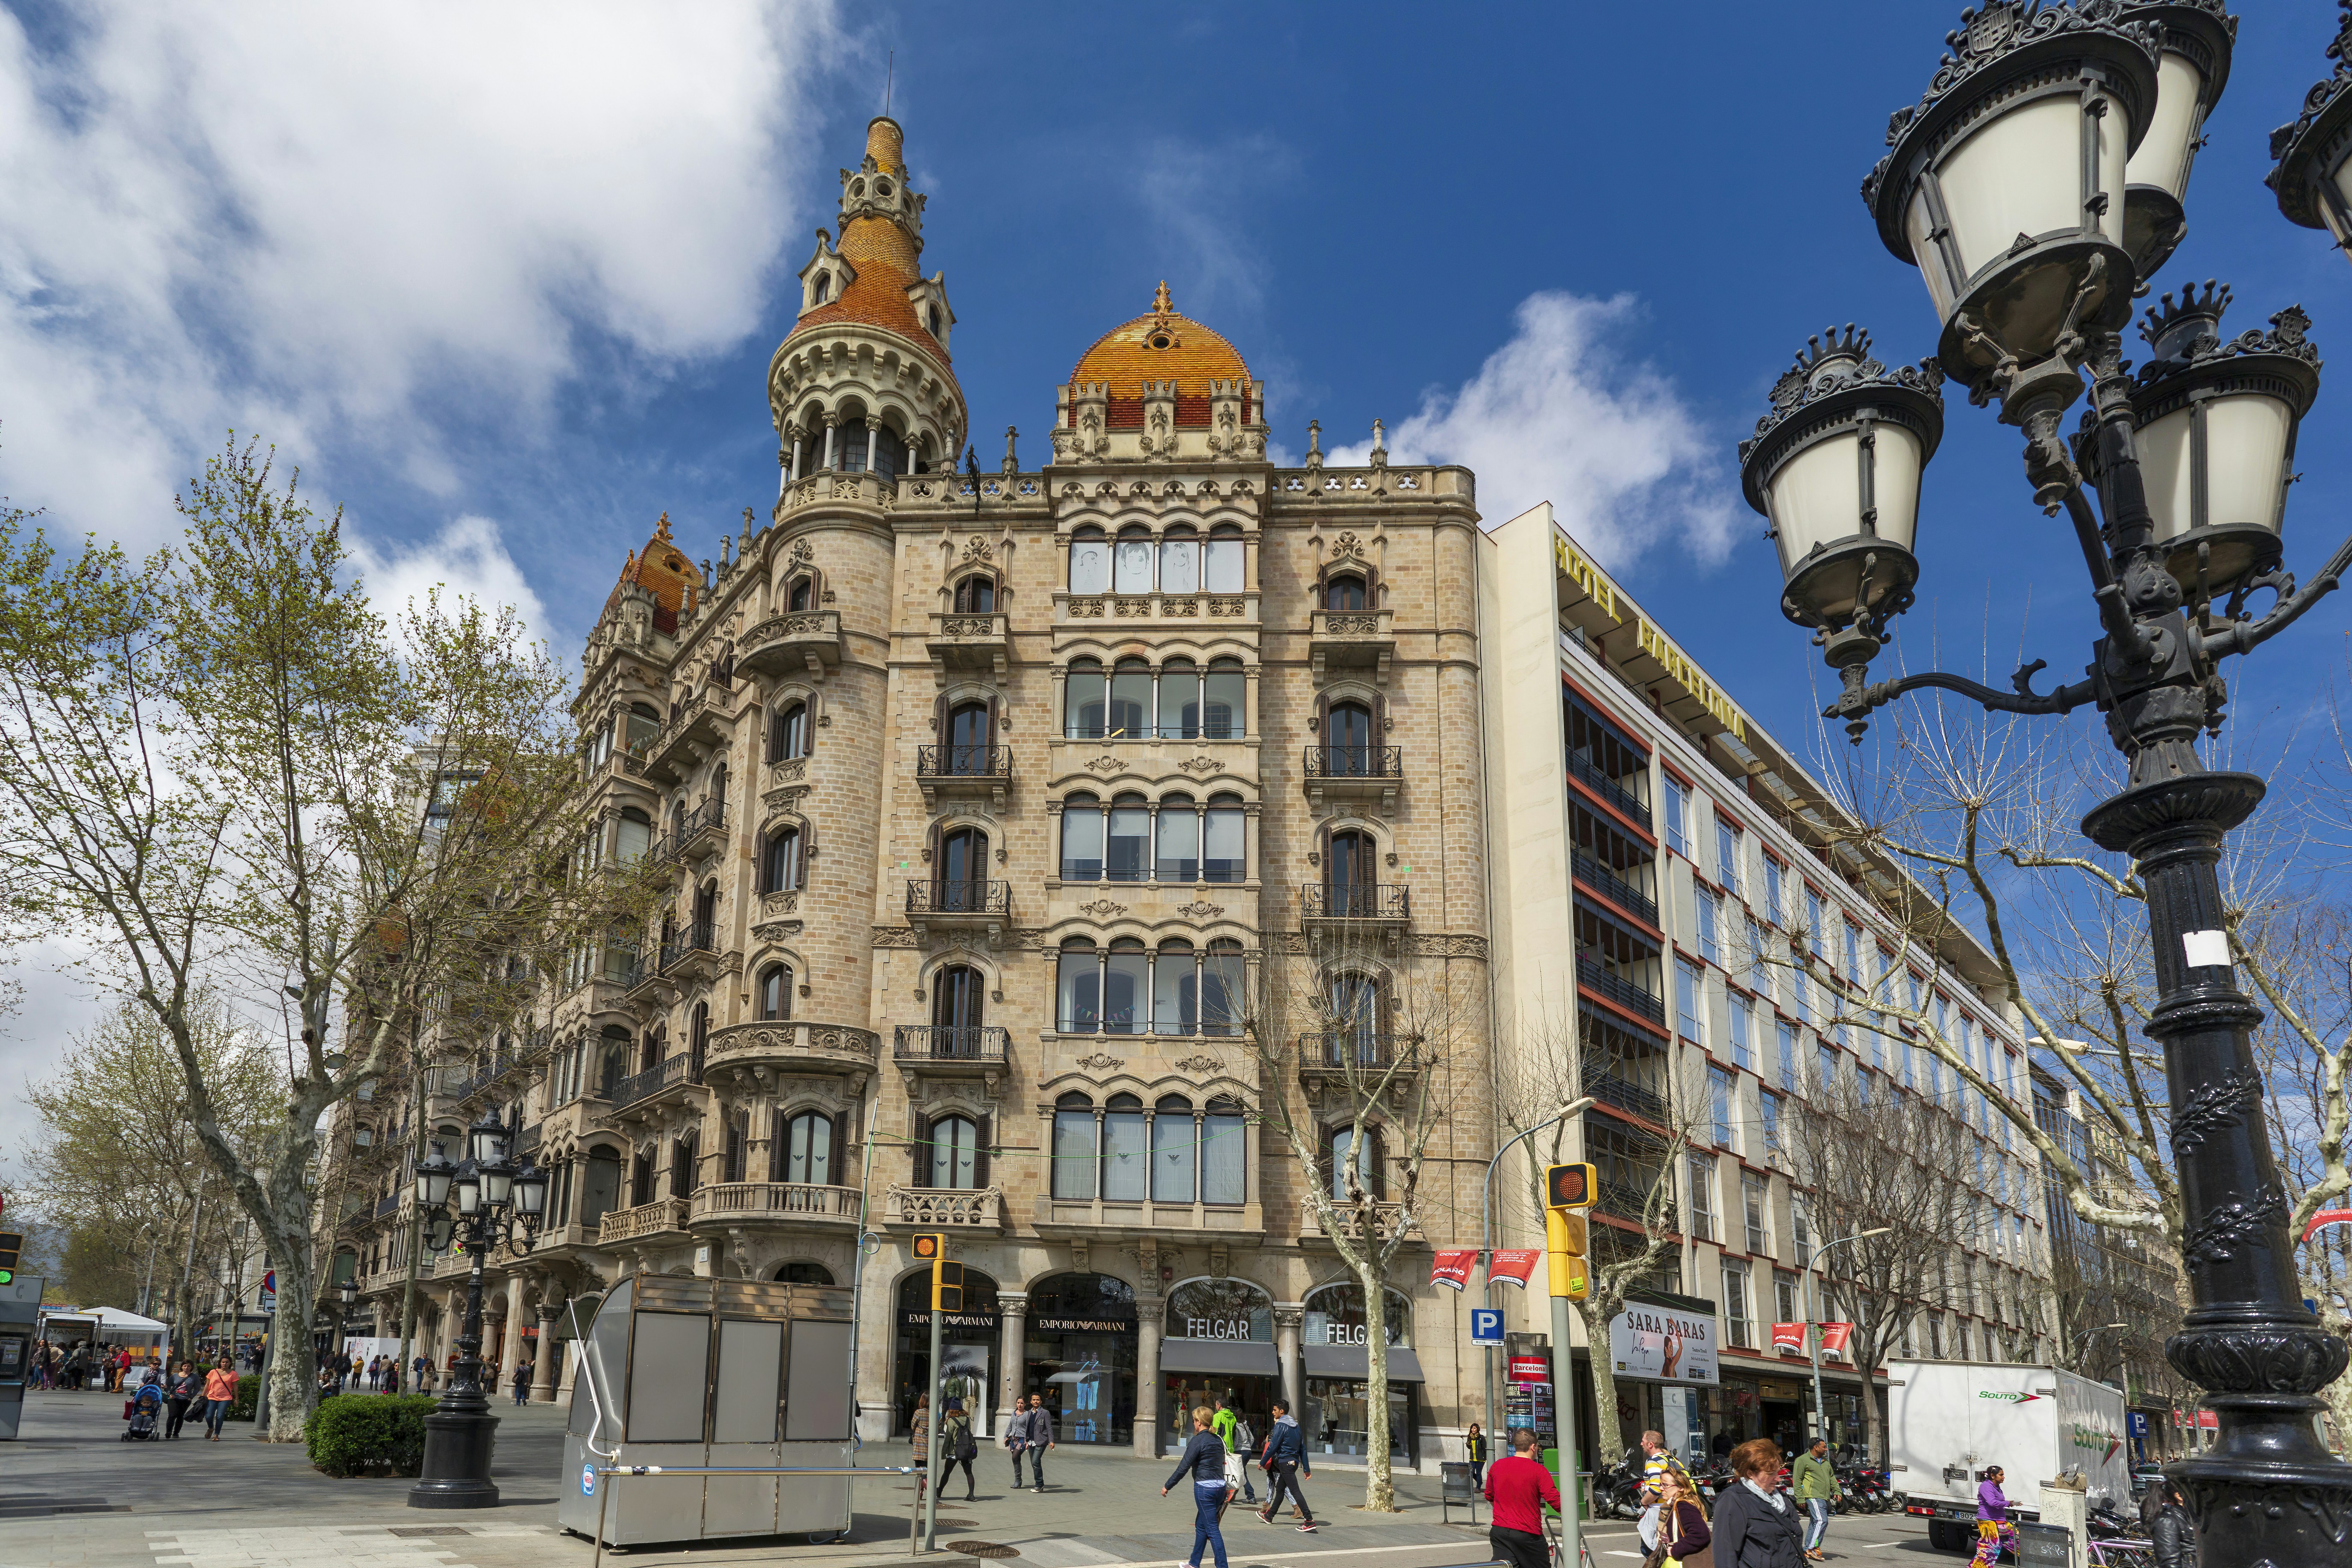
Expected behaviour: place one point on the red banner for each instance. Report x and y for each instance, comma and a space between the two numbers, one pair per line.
2326, 1217
1512, 1265
1835, 1338
1453, 1269
1789, 1338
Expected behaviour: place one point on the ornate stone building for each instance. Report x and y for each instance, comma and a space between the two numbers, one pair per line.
984, 796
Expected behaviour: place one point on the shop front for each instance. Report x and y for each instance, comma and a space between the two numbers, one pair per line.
968, 1349
1079, 1352
1335, 1360
1218, 1344
1663, 1357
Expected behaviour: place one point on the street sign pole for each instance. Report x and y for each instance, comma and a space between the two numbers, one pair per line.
1563, 1415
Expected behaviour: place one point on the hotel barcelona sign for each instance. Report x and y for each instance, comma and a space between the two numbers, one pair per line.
1653, 642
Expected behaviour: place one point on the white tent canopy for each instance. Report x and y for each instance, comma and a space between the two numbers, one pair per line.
113, 1325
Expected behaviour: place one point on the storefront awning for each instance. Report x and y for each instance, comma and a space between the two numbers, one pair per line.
1353, 1362
1245, 1358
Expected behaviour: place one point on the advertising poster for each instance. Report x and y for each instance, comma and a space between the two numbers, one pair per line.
963, 1374
1511, 1265
1835, 1338
1657, 1344
1453, 1269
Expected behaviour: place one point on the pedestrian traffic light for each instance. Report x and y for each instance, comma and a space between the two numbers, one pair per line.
1565, 1231
1569, 1186
11, 1244
931, 1247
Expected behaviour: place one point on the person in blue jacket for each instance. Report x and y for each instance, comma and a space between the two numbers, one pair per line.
1286, 1461
1204, 1457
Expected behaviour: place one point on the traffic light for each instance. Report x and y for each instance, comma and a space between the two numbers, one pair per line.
931, 1247
1564, 1244
1568, 1278
1565, 1231
947, 1278
1571, 1186
11, 1244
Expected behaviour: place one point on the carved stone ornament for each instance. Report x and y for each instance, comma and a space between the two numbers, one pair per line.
1200, 764
1434, 944
778, 930
785, 903
2258, 1360
1201, 910
802, 550
1206, 1066
896, 936
1103, 909
1101, 1062
979, 549
1347, 544
1104, 764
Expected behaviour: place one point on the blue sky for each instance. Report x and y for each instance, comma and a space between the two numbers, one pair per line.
507, 289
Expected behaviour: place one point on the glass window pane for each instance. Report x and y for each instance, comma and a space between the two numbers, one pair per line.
1129, 857
1091, 565
1130, 701
1224, 1144
1124, 1159
1222, 713
1174, 1157
635, 839
1082, 842
1179, 843
1082, 715
1123, 992
1073, 1153
1221, 992
954, 1144
1180, 700
1220, 859
1222, 571
1180, 566
1081, 990
1132, 565
1174, 993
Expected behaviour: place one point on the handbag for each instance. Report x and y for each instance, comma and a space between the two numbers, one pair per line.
965, 1447
1233, 1476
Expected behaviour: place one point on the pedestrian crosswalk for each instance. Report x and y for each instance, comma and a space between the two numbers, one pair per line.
296, 1546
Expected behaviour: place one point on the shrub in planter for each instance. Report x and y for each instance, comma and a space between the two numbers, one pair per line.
384, 1434
242, 1402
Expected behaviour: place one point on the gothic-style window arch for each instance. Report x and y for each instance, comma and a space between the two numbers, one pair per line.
1089, 561
975, 593
774, 994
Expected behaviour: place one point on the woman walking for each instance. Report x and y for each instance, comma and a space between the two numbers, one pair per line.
1817, 1487
1682, 1524
1994, 1529
956, 1447
220, 1391
185, 1390
1473, 1444
1204, 1458
1755, 1525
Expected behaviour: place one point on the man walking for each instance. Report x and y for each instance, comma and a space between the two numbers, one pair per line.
1817, 1486
522, 1383
1236, 1434
1036, 1437
1286, 1461
1519, 1486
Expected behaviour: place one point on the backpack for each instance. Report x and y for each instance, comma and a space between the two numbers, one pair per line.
1244, 1437
966, 1449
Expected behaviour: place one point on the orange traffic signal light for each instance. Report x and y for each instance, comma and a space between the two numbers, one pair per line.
1571, 1186
931, 1247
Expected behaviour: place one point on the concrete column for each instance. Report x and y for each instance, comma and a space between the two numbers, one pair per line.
1288, 1316
1011, 1352
510, 1340
542, 1367
1151, 1311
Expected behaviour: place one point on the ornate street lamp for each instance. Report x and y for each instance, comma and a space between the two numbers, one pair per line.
495, 1205
2002, 186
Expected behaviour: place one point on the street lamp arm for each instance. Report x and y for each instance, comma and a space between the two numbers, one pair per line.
2245, 636
1860, 698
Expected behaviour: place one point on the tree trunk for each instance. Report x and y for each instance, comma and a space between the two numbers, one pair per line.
294, 1371
1609, 1436
1380, 1487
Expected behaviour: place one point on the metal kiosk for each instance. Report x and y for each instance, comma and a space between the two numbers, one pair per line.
702, 1374
20, 1308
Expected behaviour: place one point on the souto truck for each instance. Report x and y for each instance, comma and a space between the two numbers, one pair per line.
1948, 1422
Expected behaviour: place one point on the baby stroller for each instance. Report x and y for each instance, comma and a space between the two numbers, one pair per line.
141, 1410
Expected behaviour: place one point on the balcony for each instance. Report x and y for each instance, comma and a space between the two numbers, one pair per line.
388, 1204
702, 835
972, 640
960, 906
945, 1208
1361, 909
739, 1202
963, 773
1624, 993
947, 1051
663, 1216
1611, 885
1383, 1221
1091, 1220
695, 730
1353, 639
691, 956
640, 1091
748, 1053
1587, 772
1626, 1094
1198, 612
798, 640
1366, 775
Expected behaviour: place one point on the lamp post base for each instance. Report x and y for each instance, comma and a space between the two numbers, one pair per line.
457, 1445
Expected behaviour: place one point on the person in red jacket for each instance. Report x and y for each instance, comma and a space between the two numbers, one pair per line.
1519, 1486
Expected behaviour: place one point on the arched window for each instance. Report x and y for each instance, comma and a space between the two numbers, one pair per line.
1130, 700
801, 594
738, 1141
805, 1143
1222, 980
955, 1152
1175, 1152
822, 289
1344, 592
1180, 561
1357, 1014
635, 835
1366, 1161
967, 741
1074, 1147
1350, 873
1082, 705
775, 993
1224, 705
1222, 839
1175, 990
958, 992
1131, 561
684, 1163
889, 450
645, 722
802, 1272
1348, 741
1222, 568
788, 732
1080, 968
1082, 839
938, 325
1126, 1163
1177, 857
1180, 700
1127, 852
975, 595
850, 445
599, 1192
779, 861
1089, 562
962, 881
1224, 1151
1341, 1308
1125, 981
612, 1059
641, 1180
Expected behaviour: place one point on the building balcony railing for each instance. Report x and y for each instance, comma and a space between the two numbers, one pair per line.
1608, 789
1369, 774
960, 773
1351, 1220
676, 1072
1625, 1094
799, 1043
1226, 611
738, 1201
975, 905
701, 833
1345, 1050
1625, 992
691, 955
797, 640
655, 1219
1353, 639
971, 639
1368, 902
1612, 887
945, 1208
387, 1204
695, 728
948, 1043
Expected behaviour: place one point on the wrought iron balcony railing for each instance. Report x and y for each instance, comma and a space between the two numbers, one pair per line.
949, 1043
963, 762
1355, 902
1340, 1050
1355, 762
678, 1069
930, 898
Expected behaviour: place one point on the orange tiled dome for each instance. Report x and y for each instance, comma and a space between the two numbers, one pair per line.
662, 571
1161, 346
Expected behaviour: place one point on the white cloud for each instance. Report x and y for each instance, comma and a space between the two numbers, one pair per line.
330, 222
466, 560
1557, 414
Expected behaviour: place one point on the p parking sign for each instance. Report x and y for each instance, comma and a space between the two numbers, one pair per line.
1486, 1326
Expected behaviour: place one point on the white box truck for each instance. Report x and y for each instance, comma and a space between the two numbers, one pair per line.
1948, 1421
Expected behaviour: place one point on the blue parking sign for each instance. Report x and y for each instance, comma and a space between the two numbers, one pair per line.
1486, 1326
